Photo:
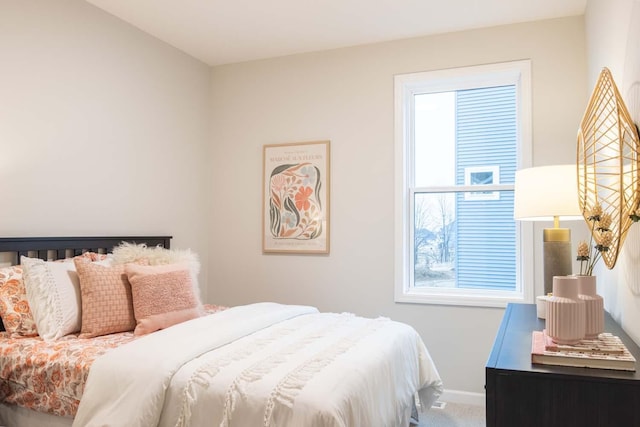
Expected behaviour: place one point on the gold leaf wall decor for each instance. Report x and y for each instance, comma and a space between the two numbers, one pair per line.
607, 164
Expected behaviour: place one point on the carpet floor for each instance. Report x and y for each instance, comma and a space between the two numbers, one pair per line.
454, 415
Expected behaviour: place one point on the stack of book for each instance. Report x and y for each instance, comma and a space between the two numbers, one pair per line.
605, 352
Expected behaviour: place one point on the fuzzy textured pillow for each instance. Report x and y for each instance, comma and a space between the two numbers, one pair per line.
162, 296
14, 307
126, 253
107, 306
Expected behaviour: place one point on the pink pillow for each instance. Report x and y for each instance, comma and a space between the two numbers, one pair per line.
14, 307
106, 299
163, 296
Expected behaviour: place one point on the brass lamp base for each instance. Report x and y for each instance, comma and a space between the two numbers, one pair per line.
557, 255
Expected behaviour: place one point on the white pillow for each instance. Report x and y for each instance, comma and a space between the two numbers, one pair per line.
53, 292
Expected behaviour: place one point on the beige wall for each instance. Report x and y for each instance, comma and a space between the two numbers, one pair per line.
346, 96
613, 42
103, 129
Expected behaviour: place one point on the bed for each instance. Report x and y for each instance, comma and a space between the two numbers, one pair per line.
264, 364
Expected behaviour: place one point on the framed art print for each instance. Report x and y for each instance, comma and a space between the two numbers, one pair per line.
295, 205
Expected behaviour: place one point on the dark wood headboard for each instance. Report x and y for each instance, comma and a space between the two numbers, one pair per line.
64, 247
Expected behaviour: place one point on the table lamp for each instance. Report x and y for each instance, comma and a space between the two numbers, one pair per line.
548, 193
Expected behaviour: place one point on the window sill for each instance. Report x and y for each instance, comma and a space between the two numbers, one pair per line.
461, 297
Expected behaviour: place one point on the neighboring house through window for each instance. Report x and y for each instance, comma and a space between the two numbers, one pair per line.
460, 136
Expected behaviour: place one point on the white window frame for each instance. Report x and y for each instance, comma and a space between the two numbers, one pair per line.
406, 86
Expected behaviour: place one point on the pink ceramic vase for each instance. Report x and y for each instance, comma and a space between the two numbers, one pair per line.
594, 306
565, 321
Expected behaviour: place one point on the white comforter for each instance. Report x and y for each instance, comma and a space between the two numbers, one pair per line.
263, 365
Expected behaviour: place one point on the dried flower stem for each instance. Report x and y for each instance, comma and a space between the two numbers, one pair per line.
590, 254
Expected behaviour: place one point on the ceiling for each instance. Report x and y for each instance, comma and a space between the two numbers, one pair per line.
227, 31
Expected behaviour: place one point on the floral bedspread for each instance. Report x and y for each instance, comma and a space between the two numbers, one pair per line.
50, 376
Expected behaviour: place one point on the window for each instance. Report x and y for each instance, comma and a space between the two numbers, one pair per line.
460, 136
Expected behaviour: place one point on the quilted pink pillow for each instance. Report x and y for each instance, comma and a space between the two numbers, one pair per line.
163, 295
14, 307
106, 299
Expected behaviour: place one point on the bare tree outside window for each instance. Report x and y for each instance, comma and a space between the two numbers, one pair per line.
434, 240
446, 217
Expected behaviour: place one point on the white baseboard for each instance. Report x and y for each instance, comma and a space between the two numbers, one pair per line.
465, 397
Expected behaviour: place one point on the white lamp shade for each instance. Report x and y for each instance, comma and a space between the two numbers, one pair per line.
545, 192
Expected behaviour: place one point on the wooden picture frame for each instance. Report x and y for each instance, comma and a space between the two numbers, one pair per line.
295, 198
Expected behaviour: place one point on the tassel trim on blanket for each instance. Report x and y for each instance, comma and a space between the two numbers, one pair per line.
265, 366
258, 370
202, 377
335, 337
286, 391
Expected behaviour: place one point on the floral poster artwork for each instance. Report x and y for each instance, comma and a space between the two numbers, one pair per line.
296, 198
